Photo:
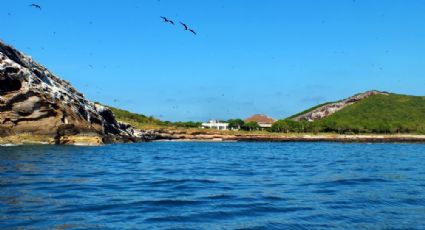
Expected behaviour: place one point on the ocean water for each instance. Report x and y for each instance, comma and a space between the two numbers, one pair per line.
166, 185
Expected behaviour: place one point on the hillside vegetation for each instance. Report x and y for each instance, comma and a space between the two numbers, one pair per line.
144, 122
308, 110
380, 113
392, 113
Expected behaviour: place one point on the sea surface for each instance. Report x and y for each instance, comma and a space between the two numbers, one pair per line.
168, 185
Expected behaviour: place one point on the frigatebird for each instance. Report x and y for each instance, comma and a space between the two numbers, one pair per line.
167, 20
36, 6
185, 26
192, 31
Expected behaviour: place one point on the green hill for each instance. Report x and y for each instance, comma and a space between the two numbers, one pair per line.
137, 120
144, 122
380, 113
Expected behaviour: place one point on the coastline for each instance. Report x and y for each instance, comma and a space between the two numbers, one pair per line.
185, 136
289, 137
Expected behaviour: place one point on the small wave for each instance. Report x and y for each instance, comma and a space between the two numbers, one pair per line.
412, 201
198, 217
357, 181
220, 197
170, 202
340, 182
275, 209
240, 205
181, 181
324, 191
273, 198
273, 225
339, 207
169, 219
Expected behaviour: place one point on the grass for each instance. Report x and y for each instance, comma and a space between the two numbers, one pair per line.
137, 120
381, 114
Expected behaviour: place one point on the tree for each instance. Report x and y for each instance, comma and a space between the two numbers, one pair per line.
281, 126
188, 124
235, 123
251, 126
288, 125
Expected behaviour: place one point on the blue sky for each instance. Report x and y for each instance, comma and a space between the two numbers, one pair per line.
272, 57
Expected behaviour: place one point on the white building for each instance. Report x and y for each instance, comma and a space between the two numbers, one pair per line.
215, 124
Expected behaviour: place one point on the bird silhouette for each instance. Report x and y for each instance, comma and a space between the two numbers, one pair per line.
192, 31
167, 20
185, 26
36, 6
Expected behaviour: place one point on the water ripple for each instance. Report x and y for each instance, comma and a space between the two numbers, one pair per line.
213, 186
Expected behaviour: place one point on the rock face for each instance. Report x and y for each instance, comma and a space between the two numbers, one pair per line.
328, 109
35, 102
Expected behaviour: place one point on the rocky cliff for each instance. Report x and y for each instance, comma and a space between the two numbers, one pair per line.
37, 106
331, 108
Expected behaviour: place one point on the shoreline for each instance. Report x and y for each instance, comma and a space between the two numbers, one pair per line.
292, 137
182, 136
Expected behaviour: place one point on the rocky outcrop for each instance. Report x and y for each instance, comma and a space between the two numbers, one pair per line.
331, 108
35, 102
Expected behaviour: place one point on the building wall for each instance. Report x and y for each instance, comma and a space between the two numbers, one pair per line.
215, 125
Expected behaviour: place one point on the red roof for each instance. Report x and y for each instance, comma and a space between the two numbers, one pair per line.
259, 118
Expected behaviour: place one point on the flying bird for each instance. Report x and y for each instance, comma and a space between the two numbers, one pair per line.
167, 20
185, 26
192, 31
36, 6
